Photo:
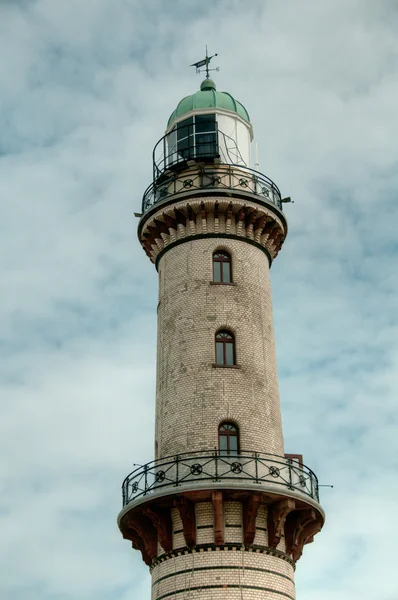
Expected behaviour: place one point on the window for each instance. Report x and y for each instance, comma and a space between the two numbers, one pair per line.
228, 439
205, 135
197, 137
222, 267
185, 138
225, 348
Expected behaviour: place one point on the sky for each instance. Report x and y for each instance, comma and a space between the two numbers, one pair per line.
86, 89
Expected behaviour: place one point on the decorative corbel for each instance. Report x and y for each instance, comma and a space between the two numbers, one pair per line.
258, 227
250, 510
294, 525
161, 519
240, 220
172, 226
161, 227
228, 217
203, 215
186, 508
267, 227
191, 219
218, 511
277, 514
306, 536
143, 535
180, 217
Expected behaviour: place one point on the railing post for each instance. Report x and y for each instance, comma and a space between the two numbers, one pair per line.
256, 462
290, 463
272, 193
216, 465
145, 479
164, 154
177, 460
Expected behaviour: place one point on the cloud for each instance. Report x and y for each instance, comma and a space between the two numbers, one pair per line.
86, 90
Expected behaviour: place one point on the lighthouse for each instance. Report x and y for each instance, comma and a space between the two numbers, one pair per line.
220, 511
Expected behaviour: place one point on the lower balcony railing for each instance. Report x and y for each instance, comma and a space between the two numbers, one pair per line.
209, 466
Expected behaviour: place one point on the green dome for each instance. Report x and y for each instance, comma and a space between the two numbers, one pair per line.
208, 97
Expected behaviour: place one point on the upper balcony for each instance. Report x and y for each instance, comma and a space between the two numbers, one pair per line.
198, 158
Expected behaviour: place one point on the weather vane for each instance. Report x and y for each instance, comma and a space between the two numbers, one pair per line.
205, 63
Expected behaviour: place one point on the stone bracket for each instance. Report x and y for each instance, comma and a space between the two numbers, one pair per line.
250, 510
170, 221
180, 217
300, 529
162, 227
277, 514
161, 519
218, 511
294, 526
142, 534
306, 537
186, 508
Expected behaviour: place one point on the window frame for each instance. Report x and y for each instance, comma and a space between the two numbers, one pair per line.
228, 434
225, 341
222, 261
191, 141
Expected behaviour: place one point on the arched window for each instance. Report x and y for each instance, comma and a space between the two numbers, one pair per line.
222, 267
228, 439
225, 348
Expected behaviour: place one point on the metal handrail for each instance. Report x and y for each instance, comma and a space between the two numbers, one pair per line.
205, 178
212, 466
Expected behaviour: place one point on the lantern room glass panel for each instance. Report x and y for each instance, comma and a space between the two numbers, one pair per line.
196, 138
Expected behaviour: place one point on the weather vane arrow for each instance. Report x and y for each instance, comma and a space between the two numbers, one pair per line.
205, 63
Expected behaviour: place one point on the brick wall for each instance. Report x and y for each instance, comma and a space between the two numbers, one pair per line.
193, 396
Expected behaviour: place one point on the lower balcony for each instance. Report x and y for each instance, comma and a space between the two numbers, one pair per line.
210, 469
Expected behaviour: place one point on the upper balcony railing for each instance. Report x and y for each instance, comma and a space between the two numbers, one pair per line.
190, 469
212, 179
201, 158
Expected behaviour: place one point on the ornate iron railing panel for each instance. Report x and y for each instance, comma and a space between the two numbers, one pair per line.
199, 467
212, 178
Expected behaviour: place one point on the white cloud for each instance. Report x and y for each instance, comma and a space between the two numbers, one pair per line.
86, 90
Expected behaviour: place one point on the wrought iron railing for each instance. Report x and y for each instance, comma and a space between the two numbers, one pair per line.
209, 179
210, 466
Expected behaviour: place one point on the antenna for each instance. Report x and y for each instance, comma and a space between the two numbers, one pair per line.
257, 164
205, 63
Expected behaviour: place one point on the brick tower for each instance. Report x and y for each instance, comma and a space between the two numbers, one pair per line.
221, 512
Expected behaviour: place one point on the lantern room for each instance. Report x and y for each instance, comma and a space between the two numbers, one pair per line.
205, 127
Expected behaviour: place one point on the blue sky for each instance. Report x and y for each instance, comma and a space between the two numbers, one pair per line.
86, 89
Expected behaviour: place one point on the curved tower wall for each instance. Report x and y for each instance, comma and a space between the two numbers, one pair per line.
194, 395
229, 574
